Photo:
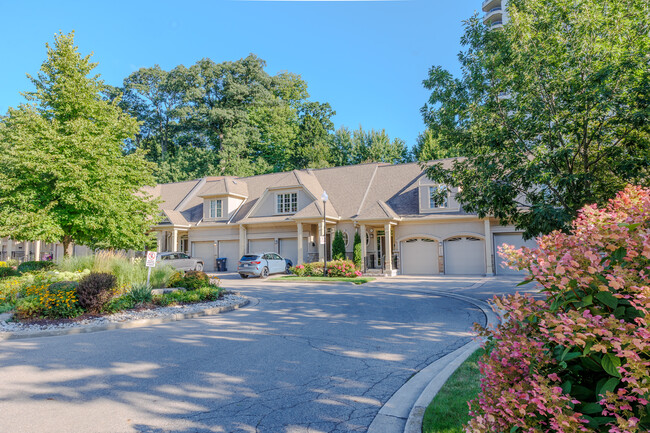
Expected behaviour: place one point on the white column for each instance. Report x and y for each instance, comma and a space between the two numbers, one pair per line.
363, 247
488, 249
159, 241
10, 248
242, 240
388, 249
26, 248
37, 251
175, 240
300, 252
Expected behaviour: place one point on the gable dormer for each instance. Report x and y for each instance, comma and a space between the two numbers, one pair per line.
222, 196
427, 189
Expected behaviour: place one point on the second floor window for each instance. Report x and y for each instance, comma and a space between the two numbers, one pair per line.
215, 208
288, 203
433, 195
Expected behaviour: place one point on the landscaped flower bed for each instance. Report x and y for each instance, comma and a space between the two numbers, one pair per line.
336, 268
105, 284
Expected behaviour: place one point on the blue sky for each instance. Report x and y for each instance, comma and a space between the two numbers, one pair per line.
366, 58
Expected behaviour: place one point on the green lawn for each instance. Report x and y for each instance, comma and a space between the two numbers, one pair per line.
449, 411
357, 280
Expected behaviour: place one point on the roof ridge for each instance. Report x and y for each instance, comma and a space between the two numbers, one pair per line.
191, 193
365, 194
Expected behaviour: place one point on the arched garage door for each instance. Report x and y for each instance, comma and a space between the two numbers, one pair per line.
464, 255
510, 239
419, 256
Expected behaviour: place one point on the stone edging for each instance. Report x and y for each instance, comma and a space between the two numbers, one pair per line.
122, 325
404, 411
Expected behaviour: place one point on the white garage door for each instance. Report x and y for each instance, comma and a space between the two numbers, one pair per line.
289, 249
205, 251
419, 257
509, 239
464, 255
257, 246
230, 250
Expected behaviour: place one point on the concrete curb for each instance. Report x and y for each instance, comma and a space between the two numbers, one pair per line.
404, 411
123, 325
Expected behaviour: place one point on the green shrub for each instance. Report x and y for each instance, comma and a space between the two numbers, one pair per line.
95, 290
6, 307
356, 255
161, 276
342, 268
35, 266
338, 246
6, 271
202, 294
62, 286
299, 270
119, 303
193, 280
140, 293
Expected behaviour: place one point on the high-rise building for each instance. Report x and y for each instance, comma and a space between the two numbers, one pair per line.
495, 13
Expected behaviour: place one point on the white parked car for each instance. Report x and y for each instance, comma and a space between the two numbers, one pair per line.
180, 261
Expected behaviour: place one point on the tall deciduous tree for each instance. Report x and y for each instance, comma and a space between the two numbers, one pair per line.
63, 175
552, 110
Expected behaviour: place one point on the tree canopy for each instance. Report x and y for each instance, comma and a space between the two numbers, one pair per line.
63, 174
551, 110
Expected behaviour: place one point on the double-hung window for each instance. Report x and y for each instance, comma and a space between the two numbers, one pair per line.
215, 208
434, 191
288, 203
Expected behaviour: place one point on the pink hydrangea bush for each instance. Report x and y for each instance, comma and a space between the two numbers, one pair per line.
578, 360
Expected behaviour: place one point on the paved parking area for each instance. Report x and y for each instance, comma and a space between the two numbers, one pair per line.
300, 358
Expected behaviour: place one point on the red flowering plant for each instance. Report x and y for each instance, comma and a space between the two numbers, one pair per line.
578, 360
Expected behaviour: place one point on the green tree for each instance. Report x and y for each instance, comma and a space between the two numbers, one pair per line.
429, 147
313, 143
356, 255
63, 175
338, 246
552, 110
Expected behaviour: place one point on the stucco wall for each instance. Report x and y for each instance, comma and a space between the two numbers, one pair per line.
268, 205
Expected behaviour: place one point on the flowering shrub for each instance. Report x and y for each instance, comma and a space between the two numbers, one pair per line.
6, 271
578, 360
336, 268
53, 301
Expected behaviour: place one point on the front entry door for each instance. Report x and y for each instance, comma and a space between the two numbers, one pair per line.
380, 249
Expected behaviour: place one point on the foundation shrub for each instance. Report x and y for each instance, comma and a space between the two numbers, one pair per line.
338, 246
336, 268
35, 266
95, 290
356, 254
578, 360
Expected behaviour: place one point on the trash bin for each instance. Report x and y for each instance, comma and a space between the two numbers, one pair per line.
221, 264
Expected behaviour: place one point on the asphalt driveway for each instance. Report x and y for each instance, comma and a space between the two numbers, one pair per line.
300, 358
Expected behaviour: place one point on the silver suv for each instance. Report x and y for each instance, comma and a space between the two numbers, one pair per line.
180, 261
262, 265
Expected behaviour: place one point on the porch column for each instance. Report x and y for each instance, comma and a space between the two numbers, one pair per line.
321, 240
488, 249
363, 247
37, 251
300, 253
10, 248
159, 241
175, 240
388, 254
242, 240
26, 249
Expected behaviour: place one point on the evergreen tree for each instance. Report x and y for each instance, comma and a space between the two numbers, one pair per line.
338, 246
358, 260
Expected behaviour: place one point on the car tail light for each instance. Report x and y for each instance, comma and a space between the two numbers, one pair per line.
256, 263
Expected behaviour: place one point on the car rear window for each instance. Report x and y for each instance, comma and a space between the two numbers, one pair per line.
249, 257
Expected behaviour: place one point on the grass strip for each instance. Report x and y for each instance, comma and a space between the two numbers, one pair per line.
448, 411
357, 280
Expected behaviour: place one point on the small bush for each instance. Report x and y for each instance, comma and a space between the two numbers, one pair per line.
336, 268
298, 270
202, 294
119, 303
6, 271
161, 276
140, 294
193, 280
55, 301
62, 286
95, 290
175, 279
35, 266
